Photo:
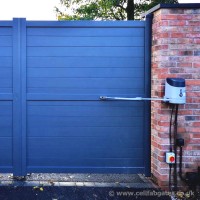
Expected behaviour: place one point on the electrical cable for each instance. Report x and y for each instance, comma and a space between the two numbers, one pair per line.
170, 129
180, 162
170, 177
175, 146
180, 165
170, 146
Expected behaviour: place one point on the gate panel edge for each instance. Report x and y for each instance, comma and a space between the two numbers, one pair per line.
147, 114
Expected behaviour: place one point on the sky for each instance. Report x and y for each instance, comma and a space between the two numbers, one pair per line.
37, 9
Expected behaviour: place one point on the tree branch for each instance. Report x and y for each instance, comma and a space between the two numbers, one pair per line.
121, 15
120, 6
112, 12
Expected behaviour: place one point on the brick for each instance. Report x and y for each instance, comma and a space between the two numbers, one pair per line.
166, 124
192, 71
192, 118
178, 35
185, 76
196, 17
184, 41
154, 144
193, 82
192, 23
192, 11
196, 136
196, 41
185, 112
164, 118
196, 53
191, 153
189, 118
163, 135
167, 64
168, 17
196, 76
195, 88
193, 94
161, 158
194, 130
176, 70
196, 124
185, 29
179, 47
163, 35
185, 17
176, 11
167, 41
183, 47
163, 23
196, 64
160, 47
182, 64
181, 130
192, 106
192, 35
185, 53
196, 100
196, 112
163, 147
195, 141
191, 59
196, 29
177, 23
175, 58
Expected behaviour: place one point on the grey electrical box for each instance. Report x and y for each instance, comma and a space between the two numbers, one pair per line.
175, 90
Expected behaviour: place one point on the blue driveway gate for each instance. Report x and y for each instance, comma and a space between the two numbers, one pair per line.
51, 77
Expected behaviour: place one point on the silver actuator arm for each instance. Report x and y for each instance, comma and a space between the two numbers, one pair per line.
133, 99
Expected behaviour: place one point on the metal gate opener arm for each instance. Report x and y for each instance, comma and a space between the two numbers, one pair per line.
133, 99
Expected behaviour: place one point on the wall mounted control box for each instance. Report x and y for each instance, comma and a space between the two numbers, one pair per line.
170, 158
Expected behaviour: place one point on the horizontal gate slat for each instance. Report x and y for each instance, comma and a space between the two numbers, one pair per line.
57, 72
56, 41
70, 110
86, 51
6, 61
125, 132
6, 31
85, 122
86, 83
85, 62
87, 32
6, 41
5, 51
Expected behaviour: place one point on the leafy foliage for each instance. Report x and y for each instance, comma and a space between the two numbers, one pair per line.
105, 9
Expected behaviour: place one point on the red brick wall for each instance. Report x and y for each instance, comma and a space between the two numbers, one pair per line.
176, 53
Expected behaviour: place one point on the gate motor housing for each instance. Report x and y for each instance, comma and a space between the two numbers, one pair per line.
175, 90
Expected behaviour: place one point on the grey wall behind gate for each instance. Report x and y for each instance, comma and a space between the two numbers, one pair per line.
51, 77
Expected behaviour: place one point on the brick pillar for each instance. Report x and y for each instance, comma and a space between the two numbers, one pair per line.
176, 53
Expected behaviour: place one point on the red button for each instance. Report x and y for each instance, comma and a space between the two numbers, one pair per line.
172, 159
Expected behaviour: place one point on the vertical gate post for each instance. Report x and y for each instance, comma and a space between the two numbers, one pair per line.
147, 139
19, 97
